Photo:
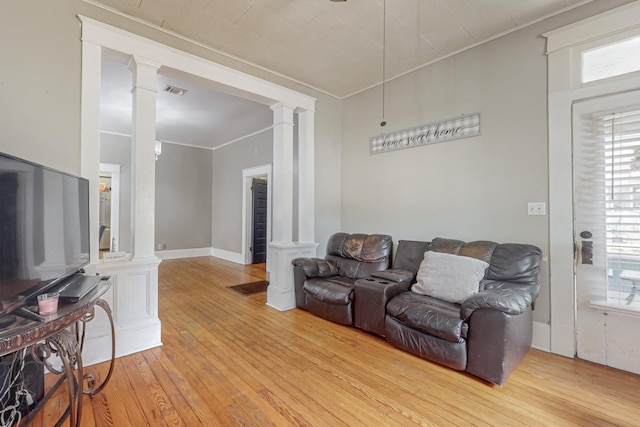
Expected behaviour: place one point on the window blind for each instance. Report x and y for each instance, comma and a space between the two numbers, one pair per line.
607, 199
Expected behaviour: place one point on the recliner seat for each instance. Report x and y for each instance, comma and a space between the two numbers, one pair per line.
489, 333
325, 286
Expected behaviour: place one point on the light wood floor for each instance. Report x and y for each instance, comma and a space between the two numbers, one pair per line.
228, 360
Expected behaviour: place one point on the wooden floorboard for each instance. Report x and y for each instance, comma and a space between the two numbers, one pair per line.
230, 360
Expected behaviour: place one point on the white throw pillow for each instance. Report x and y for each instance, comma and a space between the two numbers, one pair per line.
449, 277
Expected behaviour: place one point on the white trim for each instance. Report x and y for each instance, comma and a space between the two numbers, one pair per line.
481, 42
114, 170
541, 336
562, 93
224, 144
227, 255
247, 175
609, 307
305, 84
138, 337
605, 24
239, 84
183, 253
211, 49
97, 35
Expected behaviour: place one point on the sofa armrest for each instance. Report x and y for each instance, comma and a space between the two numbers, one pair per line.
371, 296
513, 301
316, 267
395, 275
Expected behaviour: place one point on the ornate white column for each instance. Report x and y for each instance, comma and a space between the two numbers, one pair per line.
306, 177
281, 293
90, 138
282, 187
143, 156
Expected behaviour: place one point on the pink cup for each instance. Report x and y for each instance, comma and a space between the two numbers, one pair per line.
47, 303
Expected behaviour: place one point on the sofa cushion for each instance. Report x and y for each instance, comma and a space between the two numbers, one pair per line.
449, 277
431, 315
358, 255
332, 290
409, 255
361, 247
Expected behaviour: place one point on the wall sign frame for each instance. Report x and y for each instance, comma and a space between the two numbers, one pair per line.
465, 126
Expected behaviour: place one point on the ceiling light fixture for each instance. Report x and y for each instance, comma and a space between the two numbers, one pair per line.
175, 90
336, 1
384, 53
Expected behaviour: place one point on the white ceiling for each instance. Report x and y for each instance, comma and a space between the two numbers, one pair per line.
335, 47
203, 117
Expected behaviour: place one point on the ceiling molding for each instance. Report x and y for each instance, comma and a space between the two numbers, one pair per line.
205, 46
224, 144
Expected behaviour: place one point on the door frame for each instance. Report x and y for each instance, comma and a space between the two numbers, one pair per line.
114, 170
564, 47
247, 209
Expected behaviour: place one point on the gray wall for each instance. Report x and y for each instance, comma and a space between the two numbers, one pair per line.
117, 149
475, 188
183, 197
228, 162
468, 189
40, 92
40, 82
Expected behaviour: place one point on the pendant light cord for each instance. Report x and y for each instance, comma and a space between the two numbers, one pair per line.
384, 53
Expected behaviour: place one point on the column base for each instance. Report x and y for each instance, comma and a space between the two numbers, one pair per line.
281, 292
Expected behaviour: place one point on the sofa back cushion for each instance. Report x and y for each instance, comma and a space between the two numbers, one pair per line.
509, 263
516, 263
480, 249
359, 255
409, 255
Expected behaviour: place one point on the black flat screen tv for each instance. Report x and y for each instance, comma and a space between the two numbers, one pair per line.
44, 229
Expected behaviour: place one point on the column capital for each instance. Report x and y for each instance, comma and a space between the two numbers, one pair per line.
282, 115
137, 61
145, 73
283, 106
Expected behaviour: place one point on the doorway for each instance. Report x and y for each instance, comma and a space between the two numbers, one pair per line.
606, 193
259, 222
109, 214
256, 213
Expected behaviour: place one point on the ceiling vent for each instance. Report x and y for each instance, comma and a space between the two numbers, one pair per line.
175, 90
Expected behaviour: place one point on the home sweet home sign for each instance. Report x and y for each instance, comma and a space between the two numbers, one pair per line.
456, 128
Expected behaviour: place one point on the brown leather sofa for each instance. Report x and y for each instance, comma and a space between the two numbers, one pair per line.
325, 286
486, 334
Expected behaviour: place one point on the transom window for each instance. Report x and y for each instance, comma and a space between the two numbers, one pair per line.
612, 60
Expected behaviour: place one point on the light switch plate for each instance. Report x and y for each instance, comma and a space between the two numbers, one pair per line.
536, 208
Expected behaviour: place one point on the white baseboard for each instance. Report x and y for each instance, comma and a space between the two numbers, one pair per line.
541, 336
129, 339
183, 253
227, 255
196, 252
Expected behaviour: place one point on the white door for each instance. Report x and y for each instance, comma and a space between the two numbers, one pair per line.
606, 188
